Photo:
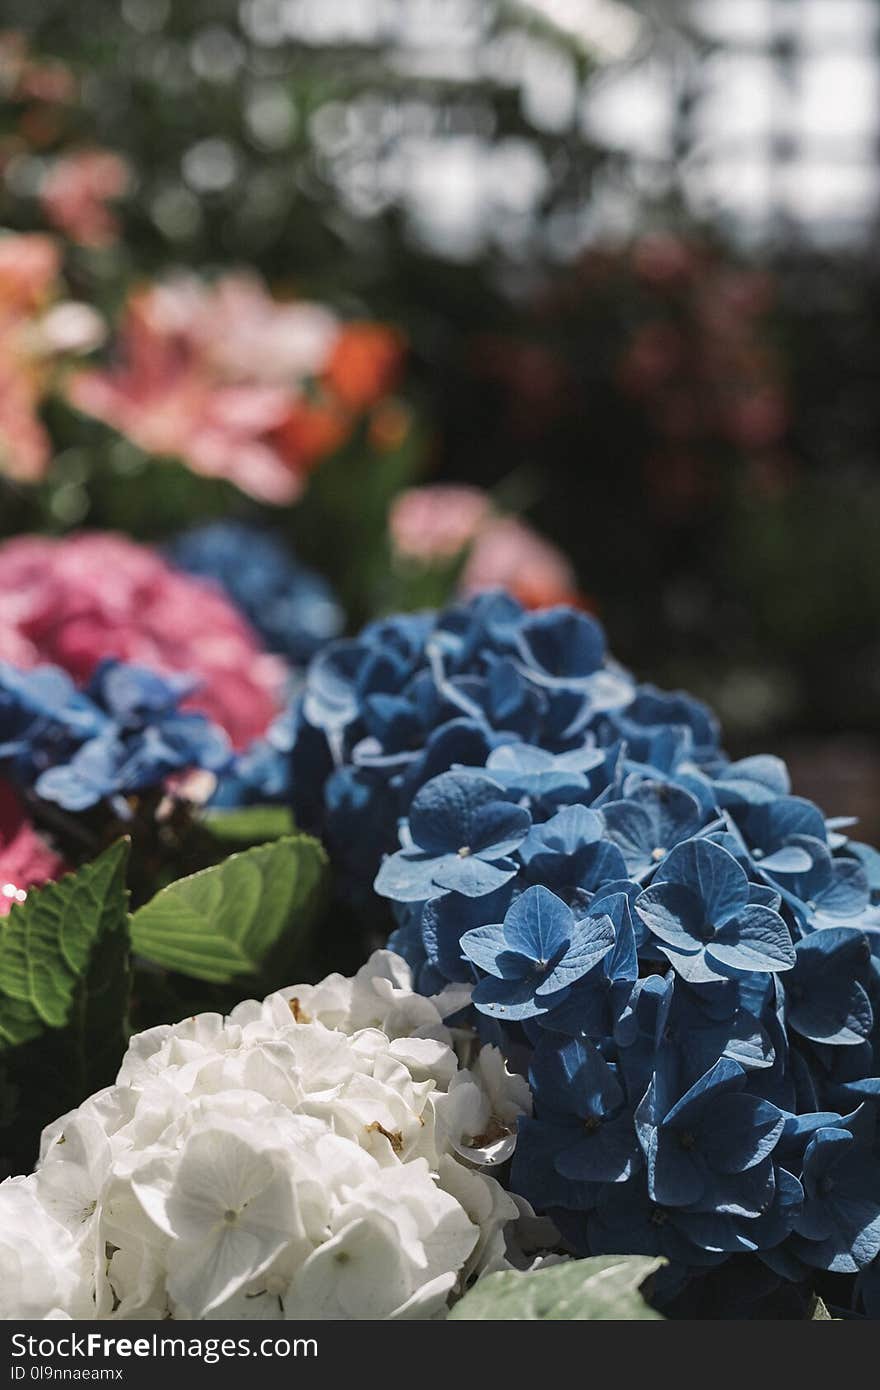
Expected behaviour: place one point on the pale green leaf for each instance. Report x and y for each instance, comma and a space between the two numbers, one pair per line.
248, 917
606, 1287
249, 825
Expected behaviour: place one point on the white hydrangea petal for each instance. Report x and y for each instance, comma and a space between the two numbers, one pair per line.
360, 1273
203, 1275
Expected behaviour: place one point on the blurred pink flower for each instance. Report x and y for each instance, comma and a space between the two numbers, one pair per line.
662, 259
25, 76
76, 191
92, 595
26, 861
234, 383
436, 523
508, 554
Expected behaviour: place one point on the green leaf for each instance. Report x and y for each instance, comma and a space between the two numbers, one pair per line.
250, 825
248, 917
64, 935
819, 1311
64, 987
607, 1287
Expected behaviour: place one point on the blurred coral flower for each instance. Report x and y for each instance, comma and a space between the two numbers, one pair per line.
236, 384
33, 332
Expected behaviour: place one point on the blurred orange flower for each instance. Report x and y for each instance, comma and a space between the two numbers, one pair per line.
364, 364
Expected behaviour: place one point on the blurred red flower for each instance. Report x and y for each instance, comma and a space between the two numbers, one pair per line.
26, 861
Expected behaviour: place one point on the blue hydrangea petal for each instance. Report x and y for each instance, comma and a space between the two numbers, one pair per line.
743, 1130
847, 894
790, 859
674, 913
498, 829
826, 996
676, 1176
538, 924
654, 818
725, 1076
446, 918
718, 1233
443, 811
564, 834
573, 1079
560, 645
472, 876
407, 876
591, 939
757, 939
331, 695
513, 1000
488, 948
607, 1155
534, 1174
710, 872
753, 781
693, 966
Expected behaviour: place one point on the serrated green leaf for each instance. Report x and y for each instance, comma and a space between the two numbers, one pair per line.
607, 1287
48, 944
64, 988
245, 918
250, 825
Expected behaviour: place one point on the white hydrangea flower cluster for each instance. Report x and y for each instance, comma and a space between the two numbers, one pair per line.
316, 1155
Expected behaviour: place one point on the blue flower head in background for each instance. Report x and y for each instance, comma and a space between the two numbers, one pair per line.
289, 605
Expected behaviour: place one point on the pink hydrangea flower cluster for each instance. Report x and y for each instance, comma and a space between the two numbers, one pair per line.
435, 524
26, 861
72, 602
237, 384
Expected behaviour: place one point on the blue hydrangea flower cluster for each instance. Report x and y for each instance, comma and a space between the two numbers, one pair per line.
124, 733
681, 954
290, 606
414, 695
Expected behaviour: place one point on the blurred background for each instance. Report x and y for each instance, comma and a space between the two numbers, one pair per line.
608, 270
